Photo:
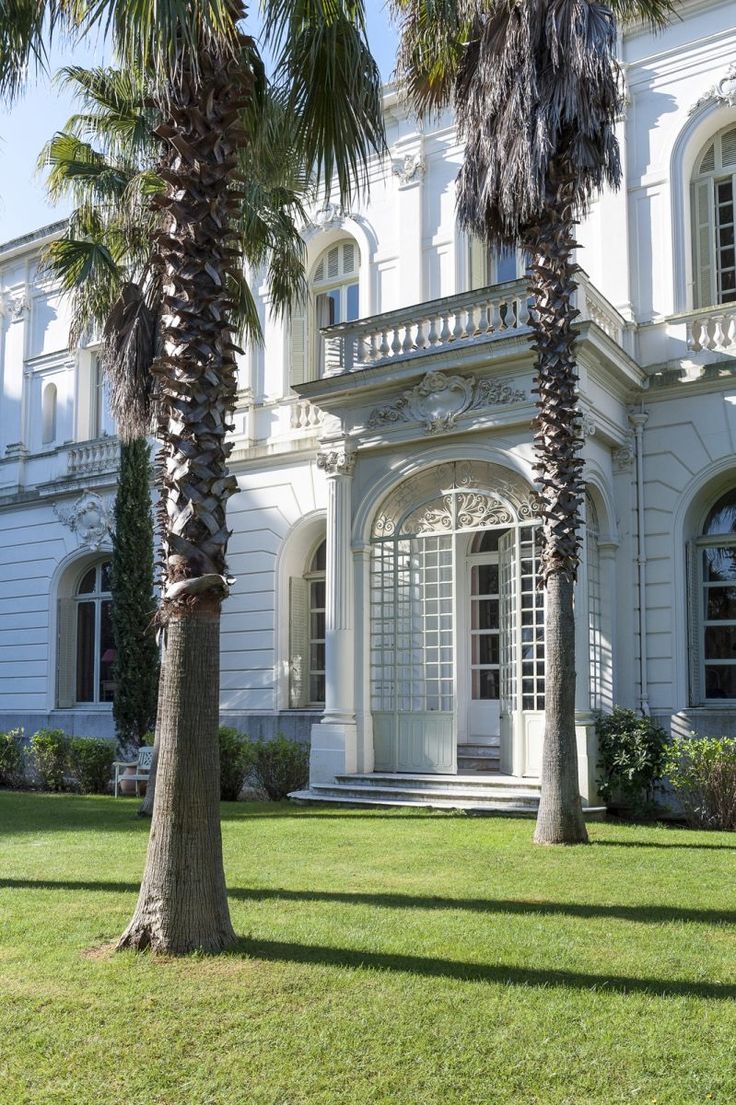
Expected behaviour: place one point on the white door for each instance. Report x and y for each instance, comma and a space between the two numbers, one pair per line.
484, 711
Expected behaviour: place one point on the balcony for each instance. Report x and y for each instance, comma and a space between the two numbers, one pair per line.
472, 318
95, 457
712, 329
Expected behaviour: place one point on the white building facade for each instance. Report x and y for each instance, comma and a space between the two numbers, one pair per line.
385, 534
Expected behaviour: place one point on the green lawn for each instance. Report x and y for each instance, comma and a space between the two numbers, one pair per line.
397, 957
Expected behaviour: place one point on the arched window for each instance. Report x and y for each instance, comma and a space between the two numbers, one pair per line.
307, 596
487, 267
713, 595
95, 651
48, 414
713, 195
333, 298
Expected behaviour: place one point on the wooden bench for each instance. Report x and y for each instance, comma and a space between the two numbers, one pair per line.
142, 770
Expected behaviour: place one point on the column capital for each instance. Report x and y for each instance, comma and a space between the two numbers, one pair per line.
337, 459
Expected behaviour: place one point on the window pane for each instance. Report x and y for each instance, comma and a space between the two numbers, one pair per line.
352, 303
319, 560
720, 680
106, 577
719, 564
317, 626
108, 653
318, 594
87, 586
720, 642
485, 684
485, 614
86, 652
316, 657
316, 688
506, 265
488, 579
720, 602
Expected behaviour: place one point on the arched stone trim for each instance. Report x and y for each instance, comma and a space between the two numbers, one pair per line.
372, 501
690, 513
599, 489
63, 585
704, 122
296, 550
317, 238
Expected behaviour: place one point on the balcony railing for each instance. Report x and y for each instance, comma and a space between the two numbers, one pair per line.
713, 328
90, 457
455, 321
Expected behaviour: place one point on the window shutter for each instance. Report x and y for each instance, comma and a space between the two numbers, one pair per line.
703, 242
298, 345
478, 262
298, 642
695, 623
66, 650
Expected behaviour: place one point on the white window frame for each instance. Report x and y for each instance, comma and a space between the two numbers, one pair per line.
306, 351
707, 251
97, 598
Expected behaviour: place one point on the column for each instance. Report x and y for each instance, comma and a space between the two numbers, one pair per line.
334, 739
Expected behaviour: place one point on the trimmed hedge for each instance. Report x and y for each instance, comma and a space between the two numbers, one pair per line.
12, 758
237, 756
702, 773
281, 765
91, 760
50, 752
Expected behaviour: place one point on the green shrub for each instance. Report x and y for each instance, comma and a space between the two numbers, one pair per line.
237, 755
631, 756
50, 750
11, 758
702, 773
281, 765
91, 760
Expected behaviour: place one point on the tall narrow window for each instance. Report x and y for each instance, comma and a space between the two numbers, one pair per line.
48, 414
317, 598
333, 298
307, 621
96, 652
713, 195
487, 267
595, 628
713, 595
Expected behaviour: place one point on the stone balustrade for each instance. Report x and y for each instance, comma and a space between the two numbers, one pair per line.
90, 457
712, 329
486, 314
305, 416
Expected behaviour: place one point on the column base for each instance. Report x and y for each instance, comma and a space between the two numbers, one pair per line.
587, 742
333, 751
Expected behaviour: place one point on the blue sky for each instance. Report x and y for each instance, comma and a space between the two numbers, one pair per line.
43, 110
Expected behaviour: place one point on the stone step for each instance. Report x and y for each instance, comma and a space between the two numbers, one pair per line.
468, 793
372, 797
433, 782
478, 765
480, 743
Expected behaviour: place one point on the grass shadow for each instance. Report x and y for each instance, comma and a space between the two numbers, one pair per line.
499, 974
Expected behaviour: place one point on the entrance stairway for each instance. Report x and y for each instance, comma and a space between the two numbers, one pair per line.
486, 793
479, 758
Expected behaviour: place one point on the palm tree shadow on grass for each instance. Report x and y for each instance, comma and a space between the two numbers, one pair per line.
638, 914
499, 974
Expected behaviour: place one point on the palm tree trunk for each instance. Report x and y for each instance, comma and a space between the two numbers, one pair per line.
183, 903
557, 443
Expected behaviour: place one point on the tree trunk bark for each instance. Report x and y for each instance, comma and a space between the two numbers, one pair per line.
557, 443
560, 817
182, 906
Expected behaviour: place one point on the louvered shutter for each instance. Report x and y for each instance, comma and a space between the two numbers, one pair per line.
478, 260
695, 623
298, 345
704, 243
66, 651
298, 642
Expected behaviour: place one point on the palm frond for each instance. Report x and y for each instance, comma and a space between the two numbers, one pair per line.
433, 37
328, 80
538, 82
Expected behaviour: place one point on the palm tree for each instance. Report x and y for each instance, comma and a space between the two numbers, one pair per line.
206, 77
537, 91
106, 159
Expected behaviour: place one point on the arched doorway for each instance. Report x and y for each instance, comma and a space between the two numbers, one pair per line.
457, 650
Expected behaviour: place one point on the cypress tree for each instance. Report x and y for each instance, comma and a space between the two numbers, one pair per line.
133, 602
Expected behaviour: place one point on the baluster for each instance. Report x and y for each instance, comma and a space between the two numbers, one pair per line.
420, 339
494, 316
433, 336
445, 328
457, 330
374, 351
385, 347
407, 345
396, 341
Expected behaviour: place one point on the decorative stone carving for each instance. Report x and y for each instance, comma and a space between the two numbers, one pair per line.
464, 494
588, 425
623, 457
439, 400
339, 461
409, 169
90, 518
722, 92
15, 306
327, 215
